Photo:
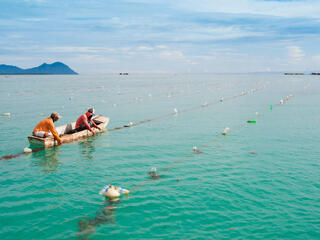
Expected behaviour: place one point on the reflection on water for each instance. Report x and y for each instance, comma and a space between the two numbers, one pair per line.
87, 148
104, 215
47, 159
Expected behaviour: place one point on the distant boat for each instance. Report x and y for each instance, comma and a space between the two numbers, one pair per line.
67, 137
124, 73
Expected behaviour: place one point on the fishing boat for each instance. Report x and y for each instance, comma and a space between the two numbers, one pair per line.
67, 135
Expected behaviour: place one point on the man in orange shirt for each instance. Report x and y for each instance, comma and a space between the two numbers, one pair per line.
44, 127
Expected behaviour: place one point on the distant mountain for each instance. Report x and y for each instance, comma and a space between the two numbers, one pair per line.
54, 68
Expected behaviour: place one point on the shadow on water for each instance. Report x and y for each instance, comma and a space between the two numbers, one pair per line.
47, 159
104, 215
87, 148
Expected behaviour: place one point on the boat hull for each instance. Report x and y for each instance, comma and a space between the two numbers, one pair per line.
48, 142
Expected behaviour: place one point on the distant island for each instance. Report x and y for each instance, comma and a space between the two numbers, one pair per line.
57, 68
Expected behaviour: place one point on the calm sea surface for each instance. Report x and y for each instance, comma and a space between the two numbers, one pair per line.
261, 181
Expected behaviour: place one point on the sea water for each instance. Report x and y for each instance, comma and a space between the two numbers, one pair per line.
260, 181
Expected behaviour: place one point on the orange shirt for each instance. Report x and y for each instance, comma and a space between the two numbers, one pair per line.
47, 125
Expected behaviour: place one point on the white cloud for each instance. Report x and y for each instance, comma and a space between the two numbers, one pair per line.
161, 46
296, 54
171, 54
144, 48
216, 33
90, 58
34, 19
35, 1
307, 8
70, 49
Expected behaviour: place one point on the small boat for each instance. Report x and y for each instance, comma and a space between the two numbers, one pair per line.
66, 135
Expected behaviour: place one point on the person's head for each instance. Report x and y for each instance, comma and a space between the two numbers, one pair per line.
90, 113
55, 116
91, 110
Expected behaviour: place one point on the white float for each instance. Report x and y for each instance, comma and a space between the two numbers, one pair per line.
226, 131
113, 192
27, 150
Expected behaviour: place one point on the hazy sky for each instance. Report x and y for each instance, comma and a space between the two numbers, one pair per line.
197, 36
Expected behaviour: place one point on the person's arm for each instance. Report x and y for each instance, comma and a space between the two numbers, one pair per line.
54, 132
95, 125
88, 126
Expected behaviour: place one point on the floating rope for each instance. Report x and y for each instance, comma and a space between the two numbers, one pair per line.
217, 138
133, 100
195, 151
187, 110
7, 157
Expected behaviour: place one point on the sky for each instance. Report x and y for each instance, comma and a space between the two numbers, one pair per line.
162, 36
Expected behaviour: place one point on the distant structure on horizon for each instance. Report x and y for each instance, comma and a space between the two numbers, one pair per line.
56, 68
293, 73
313, 73
124, 73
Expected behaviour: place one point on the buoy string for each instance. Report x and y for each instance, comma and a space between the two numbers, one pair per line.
134, 100
217, 138
167, 95
235, 128
7, 157
172, 164
187, 110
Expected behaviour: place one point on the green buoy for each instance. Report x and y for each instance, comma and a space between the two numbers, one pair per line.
252, 121
271, 107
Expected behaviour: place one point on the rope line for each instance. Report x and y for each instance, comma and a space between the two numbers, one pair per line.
7, 157
217, 138
187, 110
170, 94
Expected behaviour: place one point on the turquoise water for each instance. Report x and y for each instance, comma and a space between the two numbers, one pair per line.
261, 181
